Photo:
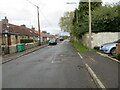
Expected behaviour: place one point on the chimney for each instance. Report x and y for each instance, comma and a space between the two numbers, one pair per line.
5, 21
33, 28
23, 26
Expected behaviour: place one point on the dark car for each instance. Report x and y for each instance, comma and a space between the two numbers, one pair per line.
61, 39
53, 42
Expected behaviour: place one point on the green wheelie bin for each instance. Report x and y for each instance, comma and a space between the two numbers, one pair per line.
20, 47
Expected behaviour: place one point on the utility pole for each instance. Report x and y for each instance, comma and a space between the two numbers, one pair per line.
89, 23
38, 21
39, 26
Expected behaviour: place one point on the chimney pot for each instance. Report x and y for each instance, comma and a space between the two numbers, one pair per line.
5, 21
23, 26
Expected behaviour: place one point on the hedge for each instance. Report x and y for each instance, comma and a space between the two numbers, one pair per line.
26, 40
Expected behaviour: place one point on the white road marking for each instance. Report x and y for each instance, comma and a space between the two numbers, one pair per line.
108, 57
98, 82
80, 55
93, 75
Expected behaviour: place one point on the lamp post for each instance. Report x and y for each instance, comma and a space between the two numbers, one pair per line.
76, 9
89, 23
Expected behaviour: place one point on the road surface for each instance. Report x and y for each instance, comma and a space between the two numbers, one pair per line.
60, 66
56, 66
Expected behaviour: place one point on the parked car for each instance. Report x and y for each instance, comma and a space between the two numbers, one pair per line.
53, 42
61, 39
109, 48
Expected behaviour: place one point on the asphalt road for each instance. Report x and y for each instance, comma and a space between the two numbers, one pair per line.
105, 69
56, 66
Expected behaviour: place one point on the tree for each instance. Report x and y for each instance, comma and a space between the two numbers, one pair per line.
44, 31
106, 19
83, 21
66, 22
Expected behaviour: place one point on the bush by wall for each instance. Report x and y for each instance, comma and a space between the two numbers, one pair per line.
26, 40
118, 56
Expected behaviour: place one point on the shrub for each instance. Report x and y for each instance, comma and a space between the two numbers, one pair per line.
26, 40
96, 47
118, 56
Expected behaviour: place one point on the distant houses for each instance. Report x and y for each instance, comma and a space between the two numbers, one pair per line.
11, 34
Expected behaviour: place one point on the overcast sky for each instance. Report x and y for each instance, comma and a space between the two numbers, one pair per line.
22, 12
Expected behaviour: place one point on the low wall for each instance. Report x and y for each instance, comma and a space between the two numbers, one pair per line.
100, 38
30, 45
13, 49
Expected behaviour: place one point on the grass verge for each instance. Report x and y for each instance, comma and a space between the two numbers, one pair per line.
80, 47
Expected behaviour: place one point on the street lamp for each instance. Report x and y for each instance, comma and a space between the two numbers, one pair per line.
38, 21
76, 9
89, 1
89, 23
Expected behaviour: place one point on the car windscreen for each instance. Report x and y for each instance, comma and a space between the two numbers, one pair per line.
118, 41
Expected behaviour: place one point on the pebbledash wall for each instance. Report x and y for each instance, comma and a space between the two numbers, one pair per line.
100, 38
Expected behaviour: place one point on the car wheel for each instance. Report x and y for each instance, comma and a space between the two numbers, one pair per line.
113, 51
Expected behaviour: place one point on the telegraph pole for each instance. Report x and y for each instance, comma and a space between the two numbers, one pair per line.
38, 21
39, 26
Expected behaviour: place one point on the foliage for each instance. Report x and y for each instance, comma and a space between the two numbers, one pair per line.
44, 31
65, 37
97, 48
105, 19
80, 47
118, 56
26, 40
83, 17
65, 22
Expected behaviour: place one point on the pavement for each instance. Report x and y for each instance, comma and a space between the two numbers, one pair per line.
106, 69
9, 57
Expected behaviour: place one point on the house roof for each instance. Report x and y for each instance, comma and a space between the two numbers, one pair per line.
21, 30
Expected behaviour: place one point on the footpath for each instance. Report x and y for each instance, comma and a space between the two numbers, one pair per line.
10, 57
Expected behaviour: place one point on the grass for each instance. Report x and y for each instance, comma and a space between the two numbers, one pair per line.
81, 48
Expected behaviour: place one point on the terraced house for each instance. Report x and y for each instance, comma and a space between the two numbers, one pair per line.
10, 35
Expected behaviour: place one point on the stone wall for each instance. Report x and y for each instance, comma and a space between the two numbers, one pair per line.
100, 38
